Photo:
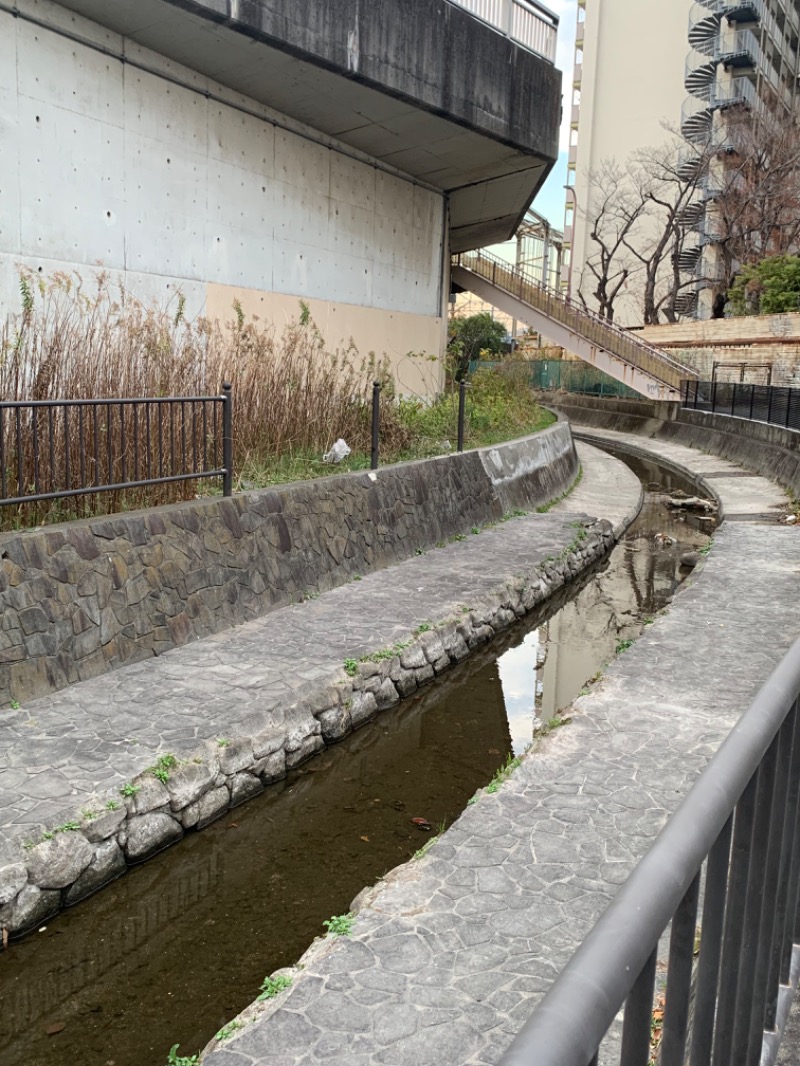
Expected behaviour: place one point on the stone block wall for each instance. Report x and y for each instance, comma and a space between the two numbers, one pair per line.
86, 597
770, 339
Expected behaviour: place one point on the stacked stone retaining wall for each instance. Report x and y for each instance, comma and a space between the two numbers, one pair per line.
86, 597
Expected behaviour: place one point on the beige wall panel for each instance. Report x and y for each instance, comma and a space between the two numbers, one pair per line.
394, 334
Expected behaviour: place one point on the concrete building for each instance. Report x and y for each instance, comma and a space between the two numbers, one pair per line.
275, 150
644, 64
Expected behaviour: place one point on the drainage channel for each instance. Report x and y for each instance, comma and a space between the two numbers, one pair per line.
174, 949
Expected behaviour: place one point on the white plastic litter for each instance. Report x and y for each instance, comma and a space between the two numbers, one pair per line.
339, 451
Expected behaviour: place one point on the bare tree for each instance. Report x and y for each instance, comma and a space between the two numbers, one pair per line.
757, 210
612, 213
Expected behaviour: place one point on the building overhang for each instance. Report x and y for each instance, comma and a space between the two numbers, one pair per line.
420, 85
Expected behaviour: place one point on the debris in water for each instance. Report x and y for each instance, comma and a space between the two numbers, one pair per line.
422, 823
55, 1027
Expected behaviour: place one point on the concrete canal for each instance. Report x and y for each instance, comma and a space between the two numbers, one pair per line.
172, 951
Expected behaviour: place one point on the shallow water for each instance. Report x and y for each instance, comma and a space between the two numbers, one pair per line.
174, 949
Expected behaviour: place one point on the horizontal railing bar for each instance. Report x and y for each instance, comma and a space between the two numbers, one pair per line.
117, 487
8, 405
569, 1024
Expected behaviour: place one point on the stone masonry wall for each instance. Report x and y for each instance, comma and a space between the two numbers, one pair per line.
86, 597
771, 339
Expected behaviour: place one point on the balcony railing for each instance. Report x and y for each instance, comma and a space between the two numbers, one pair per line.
524, 21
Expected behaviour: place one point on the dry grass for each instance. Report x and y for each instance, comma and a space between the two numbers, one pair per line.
80, 341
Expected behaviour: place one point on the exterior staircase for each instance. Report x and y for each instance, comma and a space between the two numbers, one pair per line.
614, 350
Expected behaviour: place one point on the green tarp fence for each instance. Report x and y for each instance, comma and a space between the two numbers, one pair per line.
554, 375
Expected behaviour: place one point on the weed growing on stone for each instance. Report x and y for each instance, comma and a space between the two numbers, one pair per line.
419, 551
458, 536
648, 621
439, 543
543, 508
502, 775
472, 800
129, 789
67, 827
385, 653
14, 705
271, 986
164, 764
229, 1030
112, 805
475, 530
707, 547
423, 627
552, 724
623, 645
339, 925
89, 814
174, 1059
351, 667
223, 742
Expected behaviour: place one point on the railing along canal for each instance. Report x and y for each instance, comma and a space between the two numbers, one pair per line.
524, 21
735, 843
57, 449
777, 404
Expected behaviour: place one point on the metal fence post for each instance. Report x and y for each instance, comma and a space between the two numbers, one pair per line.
227, 439
376, 422
462, 404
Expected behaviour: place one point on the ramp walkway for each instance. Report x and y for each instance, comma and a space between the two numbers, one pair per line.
615, 351
449, 954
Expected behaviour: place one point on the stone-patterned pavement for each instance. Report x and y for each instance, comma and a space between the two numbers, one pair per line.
449, 954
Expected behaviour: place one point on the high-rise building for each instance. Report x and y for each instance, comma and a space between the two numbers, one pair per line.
645, 67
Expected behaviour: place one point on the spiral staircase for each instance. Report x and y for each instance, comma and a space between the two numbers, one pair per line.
712, 48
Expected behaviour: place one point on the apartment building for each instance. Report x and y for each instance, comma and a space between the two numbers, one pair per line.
644, 67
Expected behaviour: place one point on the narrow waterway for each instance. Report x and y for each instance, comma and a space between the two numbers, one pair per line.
174, 949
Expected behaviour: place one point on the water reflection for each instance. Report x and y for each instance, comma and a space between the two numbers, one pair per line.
178, 946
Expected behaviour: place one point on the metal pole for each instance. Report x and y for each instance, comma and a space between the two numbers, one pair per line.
227, 439
376, 422
462, 404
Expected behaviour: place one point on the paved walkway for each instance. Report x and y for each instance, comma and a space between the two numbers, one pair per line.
448, 954
60, 754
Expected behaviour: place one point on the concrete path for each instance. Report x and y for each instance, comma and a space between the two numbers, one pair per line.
448, 955
60, 754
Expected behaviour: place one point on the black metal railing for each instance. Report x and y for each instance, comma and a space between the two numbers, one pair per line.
734, 843
57, 449
777, 404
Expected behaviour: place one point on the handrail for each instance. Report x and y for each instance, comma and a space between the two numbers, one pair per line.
527, 22
588, 324
568, 1026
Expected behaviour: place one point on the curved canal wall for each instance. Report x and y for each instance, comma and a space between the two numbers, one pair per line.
84, 598
769, 450
214, 724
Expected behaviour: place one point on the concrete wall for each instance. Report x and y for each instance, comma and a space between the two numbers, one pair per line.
770, 339
80, 599
771, 451
142, 173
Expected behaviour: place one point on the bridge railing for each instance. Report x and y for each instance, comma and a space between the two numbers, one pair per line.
587, 324
524, 21
734, 843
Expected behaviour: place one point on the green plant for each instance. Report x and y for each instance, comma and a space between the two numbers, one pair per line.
503, 773
707, 547
552, 724
174, 1059
229, 1029
163, 765
67, 827
356, 577
648, 621
439, 543
458, 536
623, 645
129, 789
223, 742
475, 530
112, 805
271, 986
339, 925
423, 627
767, 288
14, 705
351, 667
89, 814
